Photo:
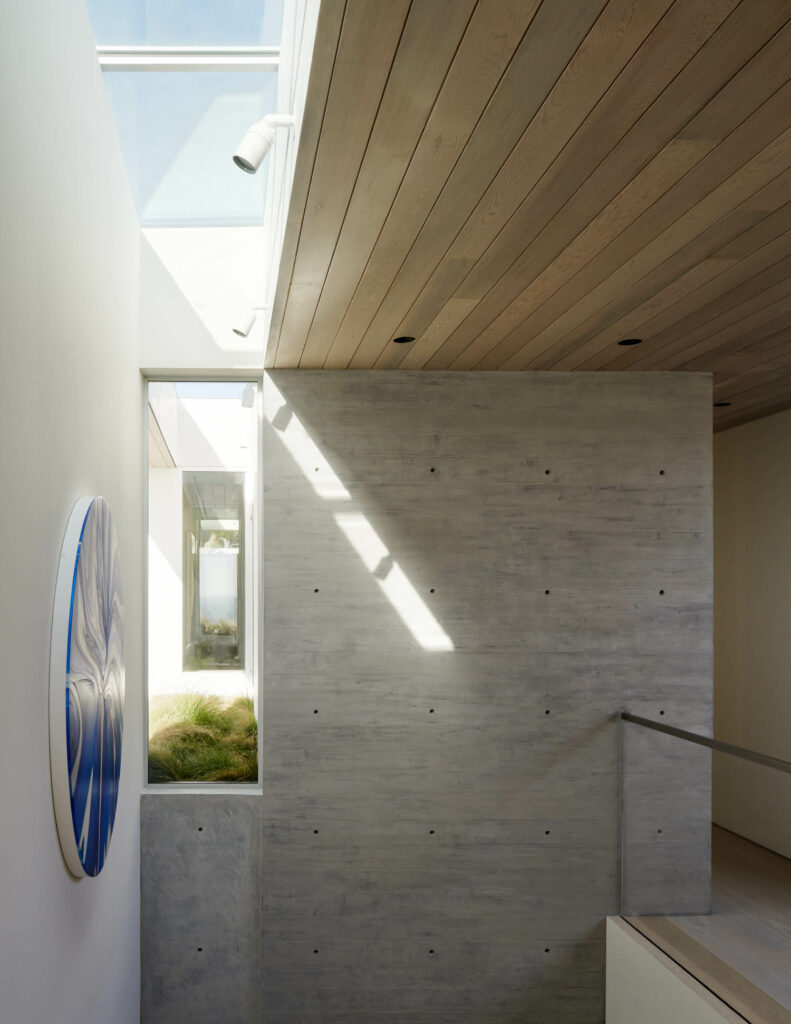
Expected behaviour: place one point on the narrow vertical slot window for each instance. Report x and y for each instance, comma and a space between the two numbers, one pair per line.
202, 582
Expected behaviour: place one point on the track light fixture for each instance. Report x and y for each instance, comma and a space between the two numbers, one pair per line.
258, 141
243, 323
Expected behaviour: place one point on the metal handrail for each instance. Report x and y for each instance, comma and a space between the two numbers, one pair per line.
710, 742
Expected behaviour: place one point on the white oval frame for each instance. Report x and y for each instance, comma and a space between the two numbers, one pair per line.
59, 646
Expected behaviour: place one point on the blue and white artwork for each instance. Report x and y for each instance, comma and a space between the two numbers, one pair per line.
86, 719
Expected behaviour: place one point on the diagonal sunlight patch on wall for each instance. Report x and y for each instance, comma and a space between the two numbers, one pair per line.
395, 585
301, 446
393, 581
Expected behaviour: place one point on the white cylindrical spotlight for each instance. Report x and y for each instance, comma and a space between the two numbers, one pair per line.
258, 141
244, 322
245, 319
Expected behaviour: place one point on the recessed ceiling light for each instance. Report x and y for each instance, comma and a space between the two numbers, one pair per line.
631, 341
721, 405
404, 340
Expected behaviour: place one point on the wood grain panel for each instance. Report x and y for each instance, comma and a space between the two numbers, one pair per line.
644, 78
554, 35
519, 185
369, 38
431, 36
713, 63
496, 30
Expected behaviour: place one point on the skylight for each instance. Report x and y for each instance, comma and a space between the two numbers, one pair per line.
212, 23
177, 128
178, 131
186, 80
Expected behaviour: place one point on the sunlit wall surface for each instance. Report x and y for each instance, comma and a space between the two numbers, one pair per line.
202, 581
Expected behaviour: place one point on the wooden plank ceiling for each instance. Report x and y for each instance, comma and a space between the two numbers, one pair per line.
520, 185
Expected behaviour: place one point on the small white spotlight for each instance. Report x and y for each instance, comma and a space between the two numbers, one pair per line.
244, 321
258, 141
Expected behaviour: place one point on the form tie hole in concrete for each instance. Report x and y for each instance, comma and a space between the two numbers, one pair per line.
432, 470
315, 590
200, 828
546, 591
200, 949
431, 591
315, 951
431, 711
546, 949
431, 952
546, 832
661, 472
431, 831
547, 711
661, 593
662, 712
547, 472
315, 711
659, 831
315, 831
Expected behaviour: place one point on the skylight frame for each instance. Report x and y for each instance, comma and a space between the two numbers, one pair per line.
189, 58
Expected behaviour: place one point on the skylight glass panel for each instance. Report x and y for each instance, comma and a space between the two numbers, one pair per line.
178, 132
186, 22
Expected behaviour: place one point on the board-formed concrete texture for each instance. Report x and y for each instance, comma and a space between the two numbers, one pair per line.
201, 908
467, 576
440, 828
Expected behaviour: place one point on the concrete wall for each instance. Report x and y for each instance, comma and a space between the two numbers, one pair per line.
645, 985
72, 424
752, 615
466, 577
201, 912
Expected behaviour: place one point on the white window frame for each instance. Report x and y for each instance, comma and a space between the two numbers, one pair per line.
257, 619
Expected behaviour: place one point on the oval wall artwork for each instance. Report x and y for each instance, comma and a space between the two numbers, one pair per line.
86, 686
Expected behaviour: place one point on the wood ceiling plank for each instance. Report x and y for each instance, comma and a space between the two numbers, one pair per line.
369, 38
428, 45
770, 208
749, 226
755, 387
758, 411
757, 407
622, 292
721, 344
738, 291
731, 338
496, 29
769, 353
553, 37
656, 178
688, 209
610, 44
328, 30
700, 261
553, 216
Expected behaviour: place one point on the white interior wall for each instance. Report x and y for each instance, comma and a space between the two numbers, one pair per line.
165, 588
645, 985
71, 408
752, 626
